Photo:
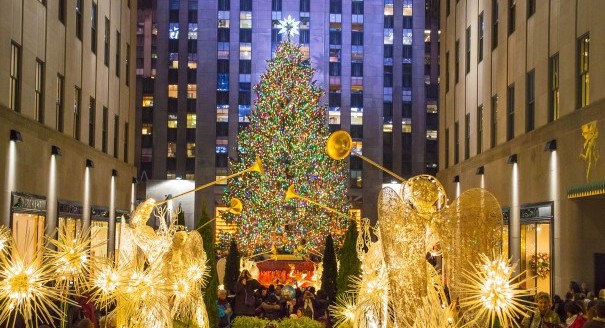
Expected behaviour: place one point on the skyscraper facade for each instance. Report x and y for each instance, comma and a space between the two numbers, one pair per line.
521, 105
66, 119
197, 61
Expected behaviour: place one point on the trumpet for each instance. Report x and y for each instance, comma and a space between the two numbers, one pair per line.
290, 194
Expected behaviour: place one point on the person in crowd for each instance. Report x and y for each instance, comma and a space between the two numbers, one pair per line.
542, 316
277, 292
289, 307
598, 321
602, 294
85, 323
270, 308
307, 305
224, 310
559, 307
245, 302
321, 307
575, 317
574, 287
584, 288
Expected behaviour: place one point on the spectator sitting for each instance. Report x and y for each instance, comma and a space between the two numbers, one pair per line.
270, 308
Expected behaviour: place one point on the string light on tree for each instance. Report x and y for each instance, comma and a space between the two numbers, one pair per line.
288, 132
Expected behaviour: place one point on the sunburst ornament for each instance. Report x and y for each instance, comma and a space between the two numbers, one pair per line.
288, 26
491, 292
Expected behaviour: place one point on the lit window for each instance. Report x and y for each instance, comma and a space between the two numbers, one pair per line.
192, 64
407, 7
223, 19
173, 91
356, 118
334, 116
427, 35
388, 9
223, 50
245, 51
388, 36
387, 127
146, 129
171, 150
147, 101
431, 134
305, 49
406, 125
191, 91
191, 121
191, 149
174, 64
245, 19
407, 36
172, 121
222, 114
431, 108
146, 155
189, 176
170, 175
357, 146
173, 31
192, 35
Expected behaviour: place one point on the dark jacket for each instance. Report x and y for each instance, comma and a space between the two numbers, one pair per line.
241, 292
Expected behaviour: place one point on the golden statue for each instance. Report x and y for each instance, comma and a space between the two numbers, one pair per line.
590, 152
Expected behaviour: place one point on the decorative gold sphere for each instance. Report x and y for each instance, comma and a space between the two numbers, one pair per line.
339, 145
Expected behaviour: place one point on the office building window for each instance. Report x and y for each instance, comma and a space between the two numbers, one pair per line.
512, 16
62, 10
583, 91
467, 136
127, 64
105, 127
106, 38
116, 135
457, 62
305, 6
39, 92
79, 11
245, 5
126, 138
15, 77
480, 33
494, 121
553, 95
92, 118
93, 28
447, 146
531, 8
494, 24
118, 49
530, 115
479, 129
60, 106
468, 50
191, 150
224, 5
510, 112
171, 150
447, 71
77, 111
456, 142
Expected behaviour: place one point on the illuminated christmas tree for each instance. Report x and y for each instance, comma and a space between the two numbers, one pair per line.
288, 132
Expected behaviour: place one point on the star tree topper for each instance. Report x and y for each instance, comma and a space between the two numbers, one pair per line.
288, 26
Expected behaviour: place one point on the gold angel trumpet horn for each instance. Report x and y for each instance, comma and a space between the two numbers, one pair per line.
256, 167
290, 193
235, 207
340, 145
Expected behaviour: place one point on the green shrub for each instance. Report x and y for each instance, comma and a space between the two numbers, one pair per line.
303, 322
249, 322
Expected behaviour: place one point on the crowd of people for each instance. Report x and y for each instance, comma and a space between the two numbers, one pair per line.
580, 309
250, 298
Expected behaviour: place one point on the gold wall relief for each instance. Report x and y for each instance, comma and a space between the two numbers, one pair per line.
590, 152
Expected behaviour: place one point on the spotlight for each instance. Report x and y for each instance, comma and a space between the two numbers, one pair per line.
114, 173
134, 180
551, 145
90, 163
512, 159
15, 136
54, 150
480, 170
457, 178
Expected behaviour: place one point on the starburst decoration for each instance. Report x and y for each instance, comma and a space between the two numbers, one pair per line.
490, 292
288, 26
344, 310
72, 260
25, 289
5, 238
105, 284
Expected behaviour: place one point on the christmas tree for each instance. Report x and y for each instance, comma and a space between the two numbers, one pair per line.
288, 132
